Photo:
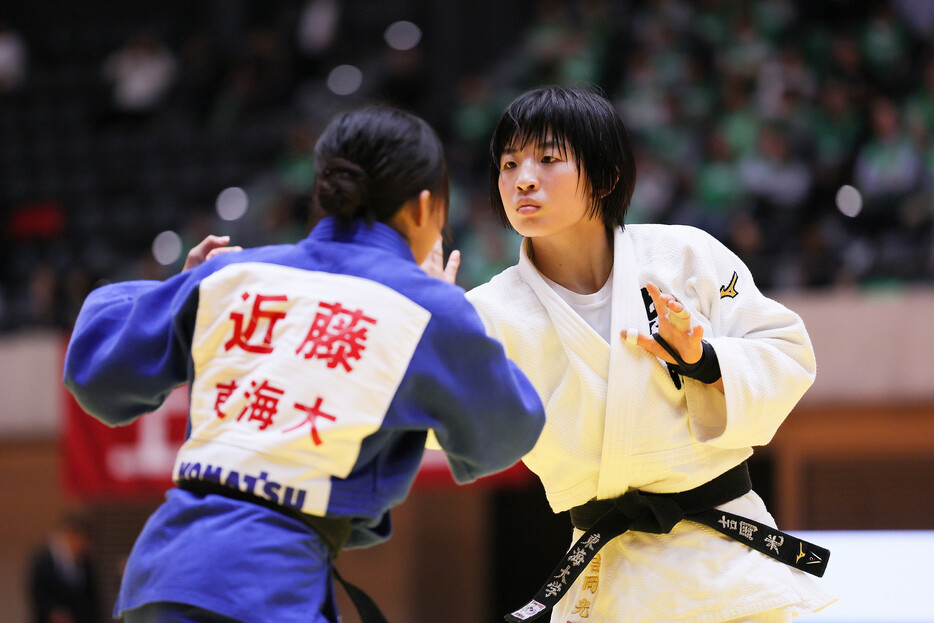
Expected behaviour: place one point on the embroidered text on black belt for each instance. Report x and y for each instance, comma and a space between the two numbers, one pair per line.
604, 520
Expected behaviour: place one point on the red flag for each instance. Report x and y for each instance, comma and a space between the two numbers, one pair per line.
126, 462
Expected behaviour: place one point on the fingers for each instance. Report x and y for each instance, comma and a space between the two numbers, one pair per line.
689, 347
645, 342
674, 324
454, 262
663, 301
220, 250
670, 310
434, 264
436, 255
212, 242
680, 320
206, 249
660, 300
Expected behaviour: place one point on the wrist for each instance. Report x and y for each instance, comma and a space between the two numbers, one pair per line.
706, 369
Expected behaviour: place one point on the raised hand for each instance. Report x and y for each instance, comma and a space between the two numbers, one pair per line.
434, 263
206, 249
674, 326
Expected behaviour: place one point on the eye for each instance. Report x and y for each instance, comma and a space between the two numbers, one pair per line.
508, 164
550, 158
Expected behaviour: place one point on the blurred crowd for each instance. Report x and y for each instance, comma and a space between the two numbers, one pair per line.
800, 133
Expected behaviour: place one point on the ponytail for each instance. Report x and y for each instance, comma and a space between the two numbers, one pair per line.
370, 161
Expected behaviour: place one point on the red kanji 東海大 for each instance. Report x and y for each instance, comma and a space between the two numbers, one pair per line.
224, 390
312, 412
265, 404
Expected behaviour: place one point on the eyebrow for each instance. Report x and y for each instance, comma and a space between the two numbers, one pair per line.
550, 144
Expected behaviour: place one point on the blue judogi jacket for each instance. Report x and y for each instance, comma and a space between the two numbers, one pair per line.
315, 371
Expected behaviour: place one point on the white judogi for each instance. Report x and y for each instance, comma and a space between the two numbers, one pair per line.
616, 420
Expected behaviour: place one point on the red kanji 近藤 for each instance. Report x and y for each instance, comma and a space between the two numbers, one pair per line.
243, 334
336, 335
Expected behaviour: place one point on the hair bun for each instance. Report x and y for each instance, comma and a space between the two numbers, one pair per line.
342, 188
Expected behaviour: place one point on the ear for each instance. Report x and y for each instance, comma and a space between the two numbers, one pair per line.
421, 208
413, 215
611, 188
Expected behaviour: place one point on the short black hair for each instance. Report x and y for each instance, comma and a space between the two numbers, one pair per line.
580, 120
371, 160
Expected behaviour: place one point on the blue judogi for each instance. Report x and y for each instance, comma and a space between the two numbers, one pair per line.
315, 371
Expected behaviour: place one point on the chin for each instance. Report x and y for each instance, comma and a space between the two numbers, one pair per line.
525, 227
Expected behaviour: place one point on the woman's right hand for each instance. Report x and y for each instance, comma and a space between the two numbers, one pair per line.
206, 249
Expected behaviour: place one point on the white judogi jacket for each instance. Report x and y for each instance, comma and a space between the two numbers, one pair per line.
617, 420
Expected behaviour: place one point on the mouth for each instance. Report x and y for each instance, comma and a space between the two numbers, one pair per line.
527, 207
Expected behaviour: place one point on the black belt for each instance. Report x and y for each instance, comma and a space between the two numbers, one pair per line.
334, 532
604, 520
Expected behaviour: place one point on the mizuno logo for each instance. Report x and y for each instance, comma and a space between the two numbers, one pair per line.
730, 289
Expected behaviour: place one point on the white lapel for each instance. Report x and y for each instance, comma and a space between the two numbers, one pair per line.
623, 394
575, 334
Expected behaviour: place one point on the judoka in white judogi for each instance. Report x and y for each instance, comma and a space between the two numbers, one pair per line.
618, 420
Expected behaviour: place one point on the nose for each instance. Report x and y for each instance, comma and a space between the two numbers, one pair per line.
526, 179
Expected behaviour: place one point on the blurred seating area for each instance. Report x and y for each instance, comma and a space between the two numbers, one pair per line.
120, 121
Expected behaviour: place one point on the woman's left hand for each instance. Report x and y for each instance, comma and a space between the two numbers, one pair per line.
674, 326
434, 263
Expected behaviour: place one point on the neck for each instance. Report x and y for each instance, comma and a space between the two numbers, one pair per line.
580, 265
